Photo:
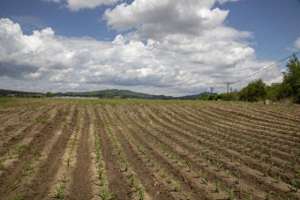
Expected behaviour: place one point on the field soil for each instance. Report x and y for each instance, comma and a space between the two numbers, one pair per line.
153, 150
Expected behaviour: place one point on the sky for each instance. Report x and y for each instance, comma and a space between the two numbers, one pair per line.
171, 47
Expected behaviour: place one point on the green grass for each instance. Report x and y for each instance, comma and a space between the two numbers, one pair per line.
6, 102
18, 197
18, 101
19, 149
28, 168
60, 192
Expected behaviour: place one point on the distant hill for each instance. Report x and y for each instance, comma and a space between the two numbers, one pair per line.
121, 94
114, 94
14, 93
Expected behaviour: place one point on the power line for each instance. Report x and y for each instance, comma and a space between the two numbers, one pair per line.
266, 67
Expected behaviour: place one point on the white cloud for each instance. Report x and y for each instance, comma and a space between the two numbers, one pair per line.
76, 5
158, 18
297, 43
54, 1
225, 1
172, 48
88, 4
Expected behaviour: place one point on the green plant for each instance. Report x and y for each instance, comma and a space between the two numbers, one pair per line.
176, 186
231, 194
250, 197
60, 192
141, 194
217, 190
255, 91
28, 168
18, 197
42, 119
20, 148
106, 195
296, 184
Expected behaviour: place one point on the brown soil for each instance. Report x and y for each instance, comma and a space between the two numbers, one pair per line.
151, 151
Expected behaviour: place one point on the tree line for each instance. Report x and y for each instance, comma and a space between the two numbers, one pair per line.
259, 91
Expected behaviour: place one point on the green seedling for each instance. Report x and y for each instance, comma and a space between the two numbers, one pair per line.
106, 195
60, 192
19, 149
18, 197
28, 169
217, 190
1, 166
141, 194
231, 195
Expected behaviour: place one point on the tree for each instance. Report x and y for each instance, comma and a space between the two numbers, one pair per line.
254, 91
291, 80
49, 94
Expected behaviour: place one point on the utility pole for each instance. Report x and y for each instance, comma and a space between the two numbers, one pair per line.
211, 90
228, 84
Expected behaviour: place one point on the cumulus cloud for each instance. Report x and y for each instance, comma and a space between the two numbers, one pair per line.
297, 43
225, 1
77, 5
158, 18
172, 48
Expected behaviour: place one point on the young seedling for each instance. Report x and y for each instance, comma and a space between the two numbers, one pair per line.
18, 197
231, 194
217, 190
106, 195
60, 192
20, 149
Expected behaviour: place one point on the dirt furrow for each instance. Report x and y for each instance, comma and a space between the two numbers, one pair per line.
23, 165
266, 136
211, 172
157, 189
45, 176
13, 114
290, 130
99, 179
61, 182
137, 190
273, 144
257, 115
13, 137
249, 173
238, 142
118, 187
276, 112
190, 180
233, 150
81, 182
247, 124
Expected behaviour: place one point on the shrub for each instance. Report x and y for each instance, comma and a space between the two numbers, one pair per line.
255, 91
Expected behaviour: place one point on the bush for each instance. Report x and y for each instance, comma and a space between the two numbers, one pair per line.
291, 80
255, 91
232, 96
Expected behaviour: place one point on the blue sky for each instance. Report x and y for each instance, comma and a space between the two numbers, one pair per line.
260, 31
274, 23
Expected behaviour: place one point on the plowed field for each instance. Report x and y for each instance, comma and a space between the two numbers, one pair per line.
95, 150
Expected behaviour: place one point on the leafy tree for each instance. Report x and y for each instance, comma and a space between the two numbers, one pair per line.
274, 91
255, 91
232, 96
291, 80
49, 94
